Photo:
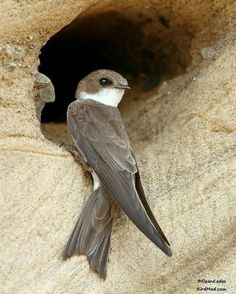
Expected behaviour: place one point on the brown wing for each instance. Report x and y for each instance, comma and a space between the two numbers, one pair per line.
99, 134
141, 194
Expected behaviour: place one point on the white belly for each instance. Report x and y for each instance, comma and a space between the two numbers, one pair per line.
96, 181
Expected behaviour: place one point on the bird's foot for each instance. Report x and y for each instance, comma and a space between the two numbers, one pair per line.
77, 155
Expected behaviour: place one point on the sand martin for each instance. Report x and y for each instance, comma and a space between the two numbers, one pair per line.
102, 145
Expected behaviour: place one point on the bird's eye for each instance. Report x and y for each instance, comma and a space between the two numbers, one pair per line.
105, 82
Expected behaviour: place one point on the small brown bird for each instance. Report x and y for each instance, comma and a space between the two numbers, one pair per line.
102, 145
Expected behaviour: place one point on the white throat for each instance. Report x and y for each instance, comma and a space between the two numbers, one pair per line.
109, 96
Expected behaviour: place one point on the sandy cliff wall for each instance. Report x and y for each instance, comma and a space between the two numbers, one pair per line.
182, 132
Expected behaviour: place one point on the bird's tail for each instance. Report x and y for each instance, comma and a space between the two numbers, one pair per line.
92, 232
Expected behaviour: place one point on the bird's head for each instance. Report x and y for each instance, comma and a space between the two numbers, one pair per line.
104, 86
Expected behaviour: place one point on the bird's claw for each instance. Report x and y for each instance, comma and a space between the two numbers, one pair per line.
76, 154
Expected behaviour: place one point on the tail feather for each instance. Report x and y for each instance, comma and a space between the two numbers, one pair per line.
98, 258
92, 232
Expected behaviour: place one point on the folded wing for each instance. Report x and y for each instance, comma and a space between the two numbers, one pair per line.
99, 133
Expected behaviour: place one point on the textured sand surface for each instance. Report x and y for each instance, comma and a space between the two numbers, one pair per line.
183, 135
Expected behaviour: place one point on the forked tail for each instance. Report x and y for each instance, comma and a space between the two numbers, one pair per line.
92, 232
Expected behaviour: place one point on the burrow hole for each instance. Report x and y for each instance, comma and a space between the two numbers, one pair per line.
145, 43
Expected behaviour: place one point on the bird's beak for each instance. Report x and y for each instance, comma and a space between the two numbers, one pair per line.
121, 86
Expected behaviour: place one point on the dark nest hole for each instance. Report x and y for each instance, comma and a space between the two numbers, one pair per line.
145, 47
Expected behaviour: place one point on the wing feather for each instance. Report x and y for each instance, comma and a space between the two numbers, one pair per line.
114, 163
